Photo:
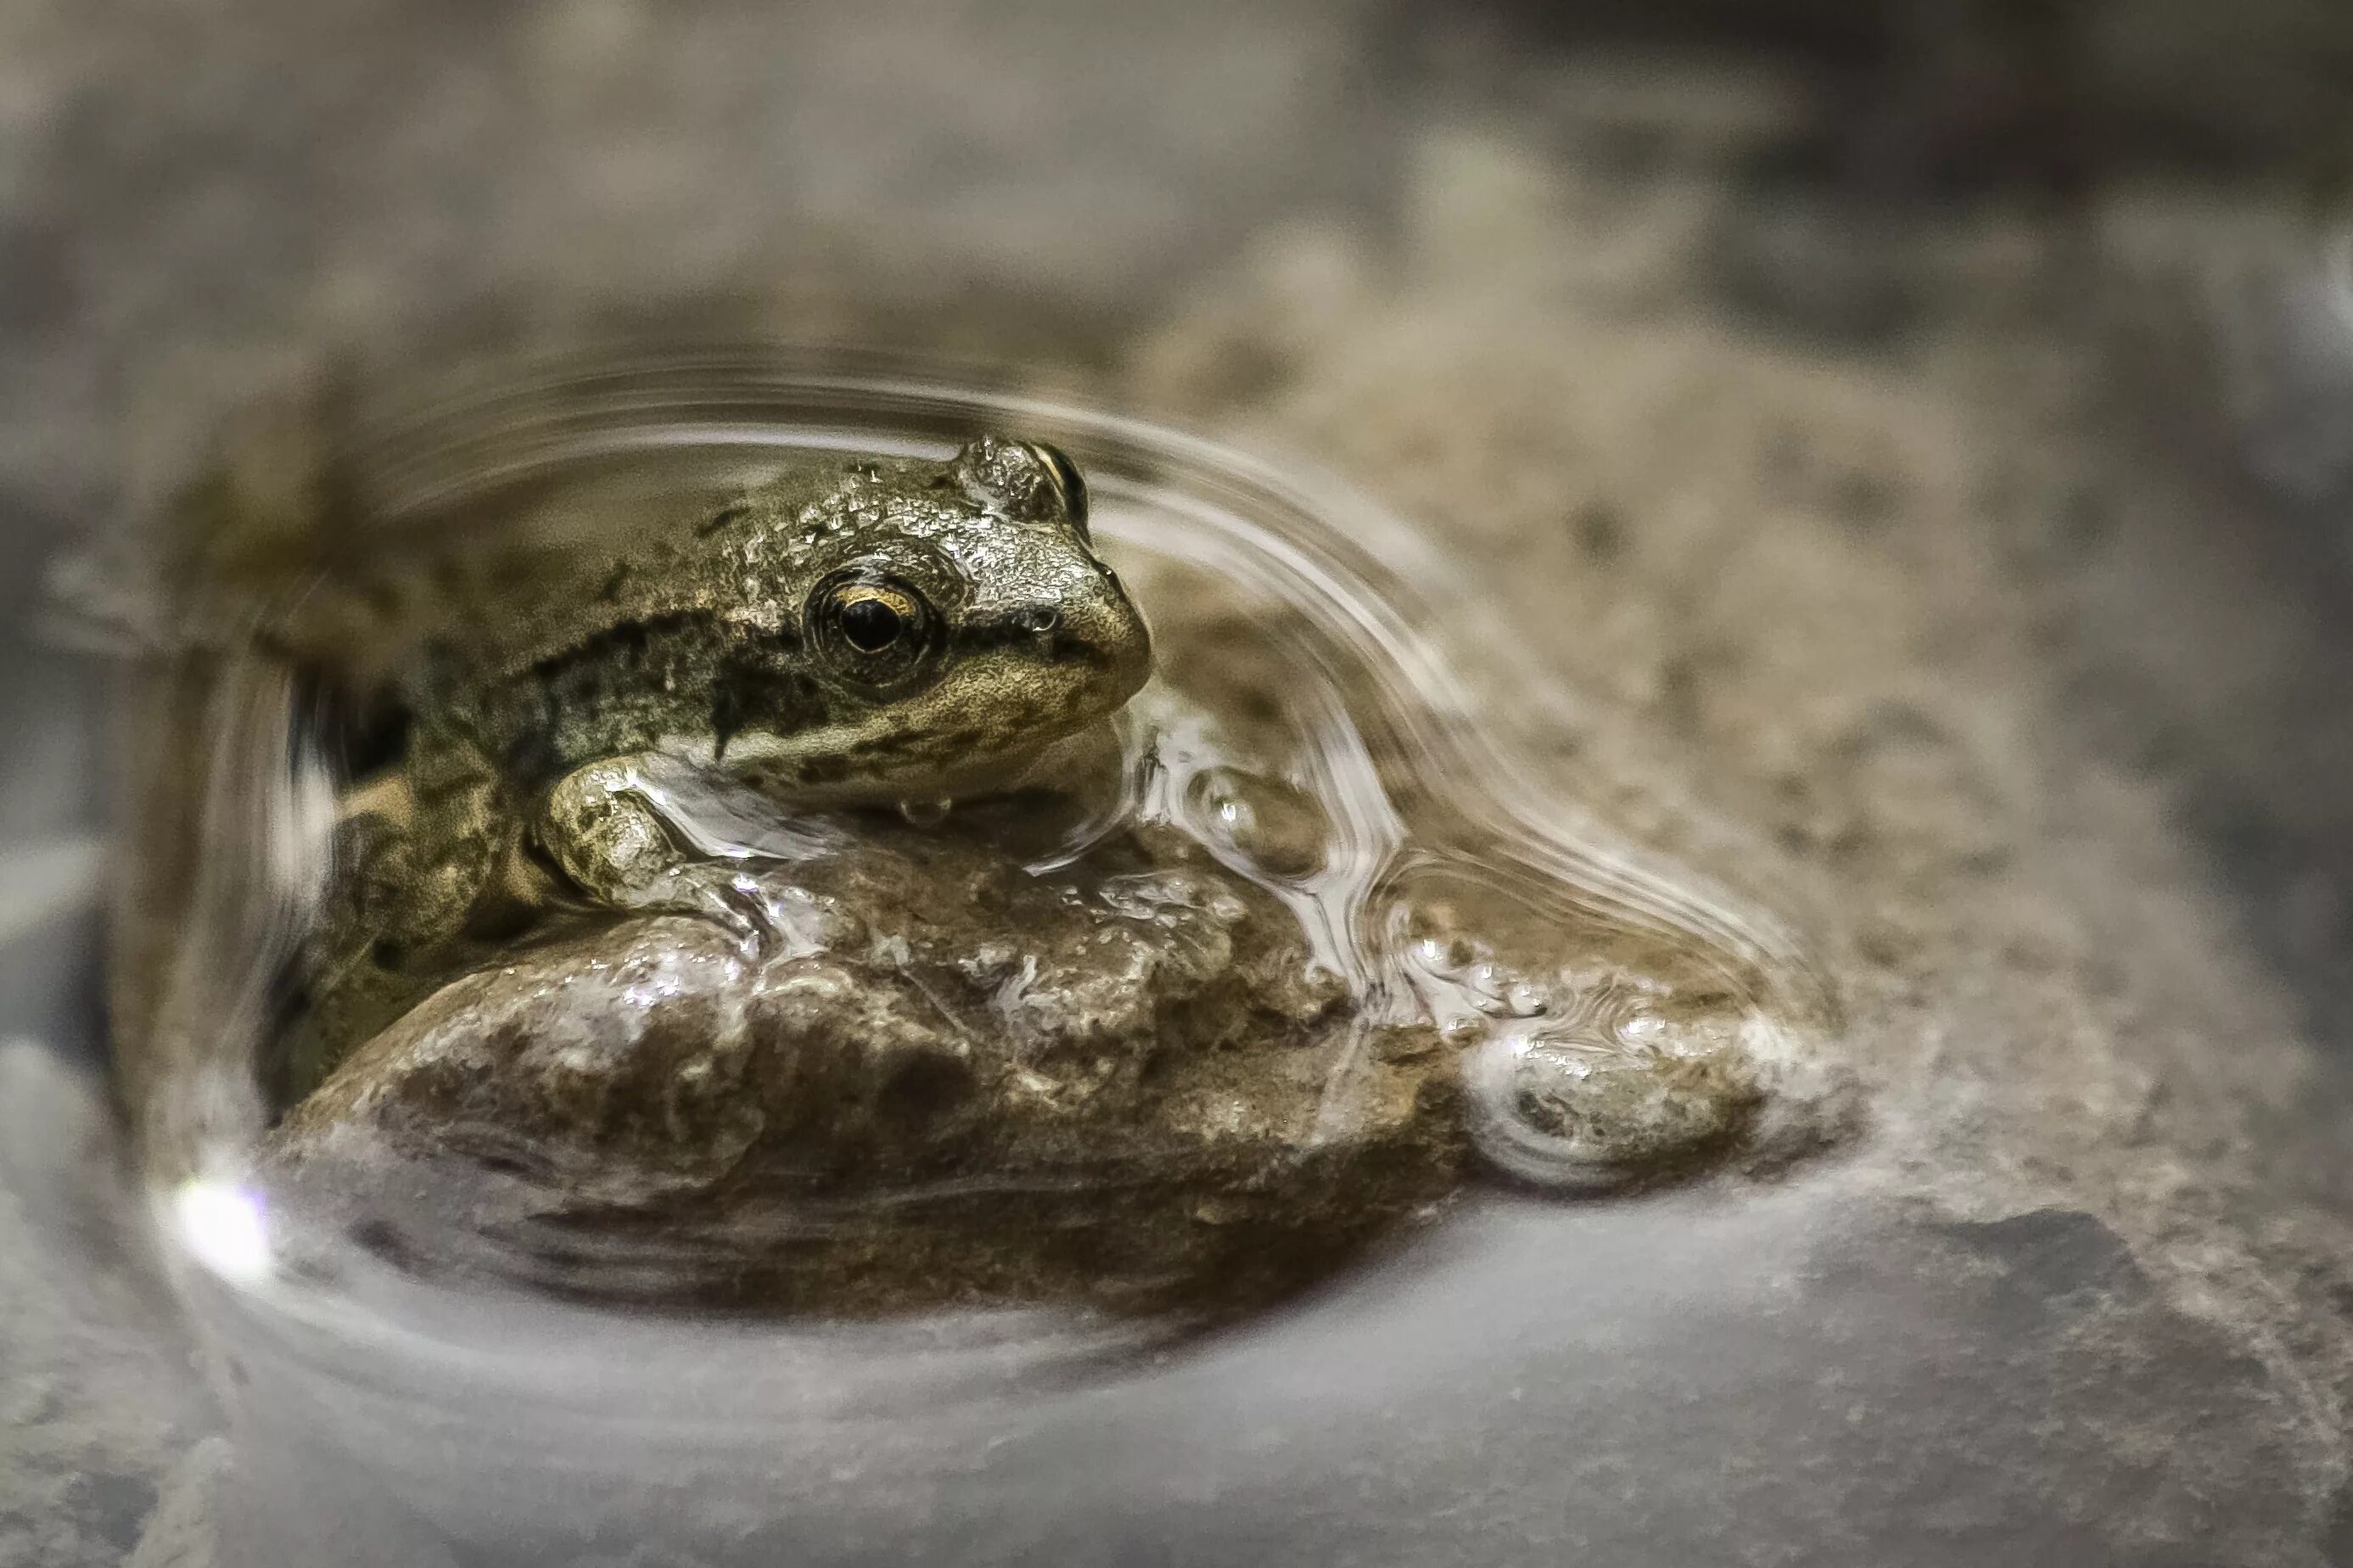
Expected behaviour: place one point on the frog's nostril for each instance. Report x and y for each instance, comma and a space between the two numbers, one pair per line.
1042, 619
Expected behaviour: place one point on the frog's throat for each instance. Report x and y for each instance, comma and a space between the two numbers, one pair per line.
850, 765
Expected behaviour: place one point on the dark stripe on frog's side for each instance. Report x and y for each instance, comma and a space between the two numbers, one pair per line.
1013, 630
628, 644
770, 694
628, 687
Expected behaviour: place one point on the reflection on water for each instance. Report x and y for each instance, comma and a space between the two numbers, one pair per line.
1009, 1091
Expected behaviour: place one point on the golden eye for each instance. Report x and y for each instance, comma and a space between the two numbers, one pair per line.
874, 629
872, 617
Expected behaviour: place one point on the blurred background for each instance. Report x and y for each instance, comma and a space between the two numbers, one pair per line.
1931, 422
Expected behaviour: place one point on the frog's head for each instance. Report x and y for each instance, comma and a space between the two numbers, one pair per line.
955, 620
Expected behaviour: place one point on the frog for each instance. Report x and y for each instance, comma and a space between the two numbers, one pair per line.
854, 631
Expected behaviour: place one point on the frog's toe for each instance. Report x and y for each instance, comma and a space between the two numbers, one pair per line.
724, 895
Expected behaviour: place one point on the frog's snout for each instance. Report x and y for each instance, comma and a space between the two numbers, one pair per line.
1099, 629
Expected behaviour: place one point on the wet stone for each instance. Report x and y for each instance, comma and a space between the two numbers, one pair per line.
1110, 1085
1125, 1084
1561, 1117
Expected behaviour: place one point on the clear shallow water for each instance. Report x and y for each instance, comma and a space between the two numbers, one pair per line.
1599, 1015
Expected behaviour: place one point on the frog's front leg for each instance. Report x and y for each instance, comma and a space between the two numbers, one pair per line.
604, 825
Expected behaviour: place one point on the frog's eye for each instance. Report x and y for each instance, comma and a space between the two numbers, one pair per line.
1070, 485
877, 629
873, 618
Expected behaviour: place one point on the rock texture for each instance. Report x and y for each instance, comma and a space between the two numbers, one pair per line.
954, 1083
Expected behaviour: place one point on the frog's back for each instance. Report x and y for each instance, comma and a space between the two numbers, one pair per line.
510, 611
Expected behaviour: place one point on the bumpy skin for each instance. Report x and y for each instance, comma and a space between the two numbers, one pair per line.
871, 630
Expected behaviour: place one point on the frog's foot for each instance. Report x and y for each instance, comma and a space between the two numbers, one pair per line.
718, 891
604, 827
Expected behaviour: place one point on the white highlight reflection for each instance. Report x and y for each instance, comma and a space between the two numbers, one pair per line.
221, 1225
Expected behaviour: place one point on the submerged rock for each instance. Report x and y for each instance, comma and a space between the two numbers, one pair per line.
1124, 1081
1125, 1084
